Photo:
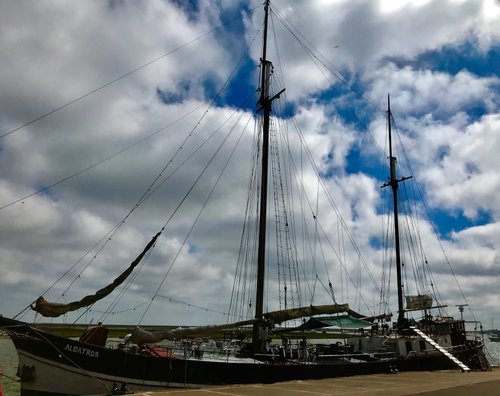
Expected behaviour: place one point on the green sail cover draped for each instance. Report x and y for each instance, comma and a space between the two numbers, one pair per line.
54, 310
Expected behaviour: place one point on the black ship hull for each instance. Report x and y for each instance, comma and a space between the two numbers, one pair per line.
54, 365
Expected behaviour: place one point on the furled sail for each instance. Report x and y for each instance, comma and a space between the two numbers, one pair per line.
53, 310
141, 336
385, 316
343, 322
311, 310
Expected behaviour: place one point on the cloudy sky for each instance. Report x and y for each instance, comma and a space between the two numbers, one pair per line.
100, 98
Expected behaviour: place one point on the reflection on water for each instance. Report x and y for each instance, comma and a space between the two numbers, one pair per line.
493, 352
8, 363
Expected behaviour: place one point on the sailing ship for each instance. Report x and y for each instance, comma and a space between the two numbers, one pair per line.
493, 334
268, 347
494, 337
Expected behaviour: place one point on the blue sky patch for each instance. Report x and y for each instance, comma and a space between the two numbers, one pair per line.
447, 222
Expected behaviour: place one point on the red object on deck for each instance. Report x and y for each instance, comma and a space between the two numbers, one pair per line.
158, 351
1, 375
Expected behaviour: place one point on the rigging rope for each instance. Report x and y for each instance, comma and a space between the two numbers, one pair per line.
435, 231
91, 92
156, 183
105, 159
202, 208
62, 354
330, 199
312, 51
295, 168
240, 304
190, 305
103, 241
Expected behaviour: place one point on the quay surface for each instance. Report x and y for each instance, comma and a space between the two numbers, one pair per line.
441, 383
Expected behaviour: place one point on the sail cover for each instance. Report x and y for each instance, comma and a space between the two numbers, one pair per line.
141, 336
346, 322
53, 310
296, 313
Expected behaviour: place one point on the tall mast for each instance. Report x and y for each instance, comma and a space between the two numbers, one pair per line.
394, 183
265, 103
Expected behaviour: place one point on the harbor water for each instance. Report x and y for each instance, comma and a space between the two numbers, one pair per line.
8, 364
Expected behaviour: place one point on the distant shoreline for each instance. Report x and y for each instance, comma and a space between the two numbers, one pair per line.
75, 330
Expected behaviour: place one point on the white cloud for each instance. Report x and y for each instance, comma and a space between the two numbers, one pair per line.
426, 91
356, 37
58, 51
466, 175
